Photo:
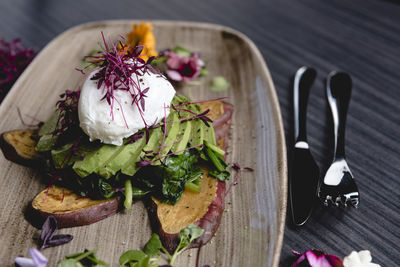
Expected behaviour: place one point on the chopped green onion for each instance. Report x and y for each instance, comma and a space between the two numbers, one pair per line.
193, 187
128, 194
216, 149
215, 160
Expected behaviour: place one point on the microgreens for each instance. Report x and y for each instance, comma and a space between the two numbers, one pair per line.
80, 259
68, 112
202, 116
236, 167
13, 60
150, 255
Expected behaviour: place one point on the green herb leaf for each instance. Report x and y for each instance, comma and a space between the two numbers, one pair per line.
186, 236
46, 142
50, 125
167, 181
159, 60
69, 263
219, 84
222, 176
80, 259
183, 52
153, 246
203, 71
131, 256
190, 233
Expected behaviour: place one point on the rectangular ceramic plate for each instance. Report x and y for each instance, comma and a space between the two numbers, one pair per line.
251, 230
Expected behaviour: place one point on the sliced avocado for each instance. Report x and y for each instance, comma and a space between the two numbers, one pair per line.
183, 135
197, 135
172, 130
209, 135
179, 99
63, 156
93, 160
126, 155
154, 143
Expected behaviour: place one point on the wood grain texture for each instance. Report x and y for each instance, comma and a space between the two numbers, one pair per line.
249, 233
360, 37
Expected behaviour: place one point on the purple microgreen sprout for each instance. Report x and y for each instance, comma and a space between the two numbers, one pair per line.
236, 167
27, 124
47, 237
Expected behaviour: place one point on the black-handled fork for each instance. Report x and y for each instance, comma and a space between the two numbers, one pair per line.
338, 186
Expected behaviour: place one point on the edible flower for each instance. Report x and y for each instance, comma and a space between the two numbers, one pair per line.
48, 237
142, 35
14, 58
359, 259
183, 68
316, 258
37, 259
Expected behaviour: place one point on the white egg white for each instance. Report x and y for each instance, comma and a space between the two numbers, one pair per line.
95, 115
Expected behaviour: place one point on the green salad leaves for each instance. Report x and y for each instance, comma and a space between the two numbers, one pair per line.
151, 253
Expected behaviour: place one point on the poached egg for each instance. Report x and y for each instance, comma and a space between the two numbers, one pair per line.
95, 115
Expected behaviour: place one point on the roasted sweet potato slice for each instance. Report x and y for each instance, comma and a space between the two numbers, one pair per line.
71, 210
19, 146
203, 209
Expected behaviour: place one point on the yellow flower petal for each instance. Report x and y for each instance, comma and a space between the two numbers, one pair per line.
142, 34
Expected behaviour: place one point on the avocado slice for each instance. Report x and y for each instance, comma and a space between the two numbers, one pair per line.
197, 135
154, 143
172, 130
184, 134
209, 135
93, 160
63, 156
125, 155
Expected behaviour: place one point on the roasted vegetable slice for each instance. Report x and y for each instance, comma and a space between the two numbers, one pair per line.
203, 209
72, 210
19, 146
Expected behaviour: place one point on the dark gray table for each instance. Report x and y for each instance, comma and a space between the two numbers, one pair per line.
361, 37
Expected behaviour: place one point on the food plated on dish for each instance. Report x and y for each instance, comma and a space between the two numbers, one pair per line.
147, 159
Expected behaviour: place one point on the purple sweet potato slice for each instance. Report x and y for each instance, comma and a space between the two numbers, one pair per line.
204, 209
19, 146
224, 117
70, 210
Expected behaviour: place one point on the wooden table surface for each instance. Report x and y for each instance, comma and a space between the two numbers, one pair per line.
361, 37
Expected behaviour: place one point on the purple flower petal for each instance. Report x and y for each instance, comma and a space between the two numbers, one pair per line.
174, 75
48, 229
38, 258
173, 61
58, 240
24, 262
317, 260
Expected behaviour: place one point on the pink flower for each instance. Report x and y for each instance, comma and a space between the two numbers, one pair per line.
183, 68
316, 258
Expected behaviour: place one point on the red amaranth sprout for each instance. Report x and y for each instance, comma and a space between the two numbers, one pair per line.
68, 118
14, 58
